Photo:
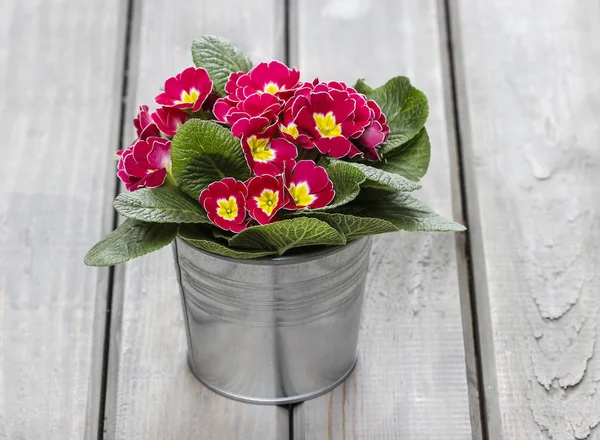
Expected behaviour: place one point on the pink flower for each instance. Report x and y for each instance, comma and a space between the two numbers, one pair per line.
231, 86
257, 114
375, 133
274, 78
188, 89
144, 163
144, 126
266, 156
308, 186
266, 196
290, 131
326, 116
225, 204
169, 119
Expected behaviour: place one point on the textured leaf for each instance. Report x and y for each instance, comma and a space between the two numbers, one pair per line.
346, 181
355, 227
205, 241
406, 110
362, 87
404, 212
374, 191
410, 160
204, 152
131, 239
221, 234
287, 234
379, 177
220, 58
165, 204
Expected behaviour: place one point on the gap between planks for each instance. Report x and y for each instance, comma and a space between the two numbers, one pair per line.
115, 274
468, 297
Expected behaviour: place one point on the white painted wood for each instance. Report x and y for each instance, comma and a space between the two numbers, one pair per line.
60, 81
152, 394
529, 106
411, 380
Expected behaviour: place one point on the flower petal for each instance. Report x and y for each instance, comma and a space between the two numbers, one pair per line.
160, 155
315, 176
336, 146
324, 197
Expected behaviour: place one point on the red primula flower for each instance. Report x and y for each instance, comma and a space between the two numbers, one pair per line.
376, 133
308, 186
144, 126
274, 78
225, 204
257, 114
289, 130
362, 114
266, 156
266, 196
222, 109
188, 89
169, 119
145, 163
328, 115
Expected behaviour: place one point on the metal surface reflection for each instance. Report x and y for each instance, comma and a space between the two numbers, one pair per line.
275, 330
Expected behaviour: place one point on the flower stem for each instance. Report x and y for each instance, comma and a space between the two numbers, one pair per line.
170, 178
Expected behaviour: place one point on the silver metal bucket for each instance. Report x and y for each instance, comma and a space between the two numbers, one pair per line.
273, 330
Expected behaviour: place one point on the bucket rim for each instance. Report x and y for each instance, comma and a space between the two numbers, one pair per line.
280, 259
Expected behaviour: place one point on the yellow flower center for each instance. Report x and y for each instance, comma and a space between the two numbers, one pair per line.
271, 88
326, 125
260, 149
301, 194
291, 129
267, 201
228, 208
189, 98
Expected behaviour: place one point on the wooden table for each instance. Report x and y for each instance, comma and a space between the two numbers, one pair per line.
489, 334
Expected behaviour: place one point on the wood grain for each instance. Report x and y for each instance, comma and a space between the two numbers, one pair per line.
60, 76
152, 394
529, 105
411, 380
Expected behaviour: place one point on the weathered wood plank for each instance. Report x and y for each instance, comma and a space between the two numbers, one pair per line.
411, 380
60, 114
152, 394
529, 105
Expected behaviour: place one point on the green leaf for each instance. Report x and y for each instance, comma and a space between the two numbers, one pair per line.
219, 233
287, 234
362, 87
374, 191
131, 239
355, 227
406, 110
205, 241
410, 160
346, 181
220, 58
404, 212
165, 204
204, 152
378, 177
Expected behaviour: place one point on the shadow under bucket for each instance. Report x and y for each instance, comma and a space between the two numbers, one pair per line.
273, 330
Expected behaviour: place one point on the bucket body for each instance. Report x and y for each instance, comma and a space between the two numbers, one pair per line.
273, 330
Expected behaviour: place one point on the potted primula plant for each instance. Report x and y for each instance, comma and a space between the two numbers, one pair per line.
269, 188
